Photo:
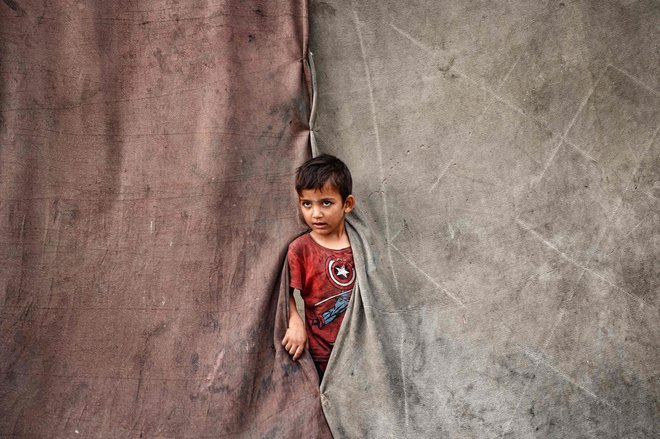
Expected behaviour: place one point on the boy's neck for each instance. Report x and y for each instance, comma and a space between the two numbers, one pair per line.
334, 241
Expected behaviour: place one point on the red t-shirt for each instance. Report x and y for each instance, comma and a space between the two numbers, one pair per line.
325, 278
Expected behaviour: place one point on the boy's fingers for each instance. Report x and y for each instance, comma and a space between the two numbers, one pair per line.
294, 348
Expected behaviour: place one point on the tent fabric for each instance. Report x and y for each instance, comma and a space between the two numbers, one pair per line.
506, 157
147, 152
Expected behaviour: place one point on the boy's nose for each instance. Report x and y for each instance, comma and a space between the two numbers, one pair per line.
316, 213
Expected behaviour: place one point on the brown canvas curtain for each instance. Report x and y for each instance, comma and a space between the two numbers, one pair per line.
146, 158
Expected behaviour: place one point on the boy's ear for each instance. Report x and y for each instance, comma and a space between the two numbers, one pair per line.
349, 203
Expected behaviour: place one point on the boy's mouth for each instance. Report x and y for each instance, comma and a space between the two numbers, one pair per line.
319, 225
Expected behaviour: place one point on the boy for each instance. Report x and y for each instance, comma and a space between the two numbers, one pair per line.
321, 260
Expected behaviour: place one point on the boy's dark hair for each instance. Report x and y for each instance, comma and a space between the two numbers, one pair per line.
322, 169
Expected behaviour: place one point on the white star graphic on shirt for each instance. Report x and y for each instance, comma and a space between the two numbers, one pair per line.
341, 271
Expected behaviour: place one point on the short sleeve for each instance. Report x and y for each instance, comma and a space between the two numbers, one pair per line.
296, 269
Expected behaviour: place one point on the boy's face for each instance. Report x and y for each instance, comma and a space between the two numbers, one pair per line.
323, 210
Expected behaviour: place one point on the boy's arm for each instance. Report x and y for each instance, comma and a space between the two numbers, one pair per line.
295, 338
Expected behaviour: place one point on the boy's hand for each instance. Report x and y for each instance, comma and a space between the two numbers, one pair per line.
295, 339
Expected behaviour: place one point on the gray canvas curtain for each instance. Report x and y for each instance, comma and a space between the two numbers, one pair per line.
506, 156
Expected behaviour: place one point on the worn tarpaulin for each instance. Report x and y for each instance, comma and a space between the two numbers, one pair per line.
508, 156
147, 152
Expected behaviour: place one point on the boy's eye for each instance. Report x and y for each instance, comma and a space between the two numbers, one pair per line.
306, 204
327, 203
